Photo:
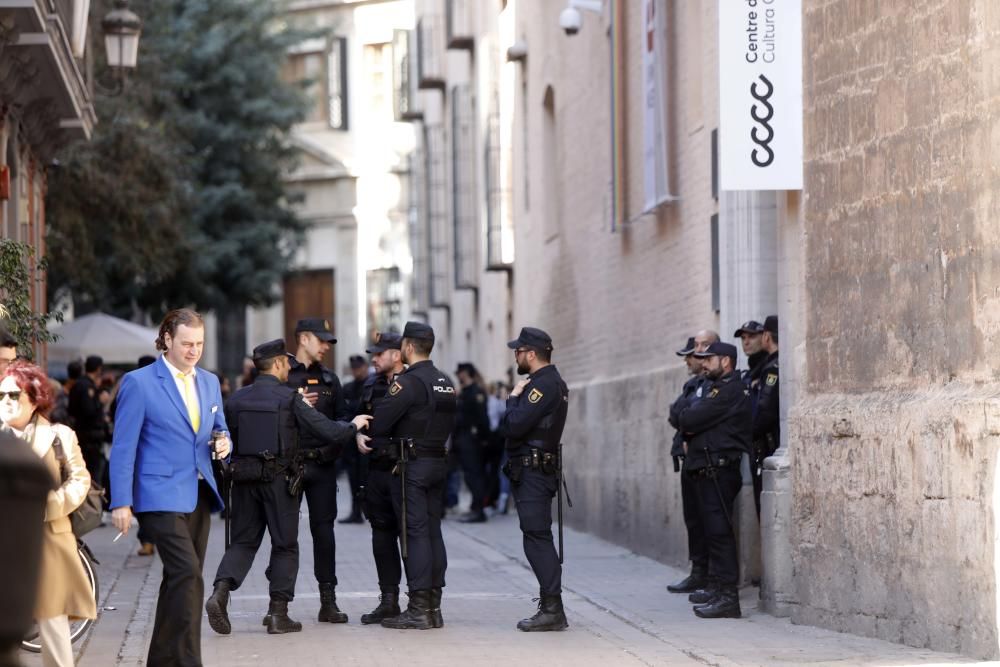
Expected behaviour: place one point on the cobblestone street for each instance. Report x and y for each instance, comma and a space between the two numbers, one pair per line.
619, 613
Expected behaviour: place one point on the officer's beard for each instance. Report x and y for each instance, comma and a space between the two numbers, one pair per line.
715, 373
522, 369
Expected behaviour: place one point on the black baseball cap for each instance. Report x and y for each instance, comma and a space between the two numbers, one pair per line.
418, 331
272, 348
750, 327
718, 349
385, 341
771, 323
687, 349
357, 361
318, 326
531, 337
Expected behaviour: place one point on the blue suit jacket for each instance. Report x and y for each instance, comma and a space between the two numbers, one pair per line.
155, 454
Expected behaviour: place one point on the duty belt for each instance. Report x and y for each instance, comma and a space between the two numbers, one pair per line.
537, 459
415, 450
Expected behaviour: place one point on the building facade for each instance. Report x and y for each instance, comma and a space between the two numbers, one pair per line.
45, 103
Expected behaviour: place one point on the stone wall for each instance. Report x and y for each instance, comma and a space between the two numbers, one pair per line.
894, 435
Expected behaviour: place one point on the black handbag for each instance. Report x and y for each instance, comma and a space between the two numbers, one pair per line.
88, 515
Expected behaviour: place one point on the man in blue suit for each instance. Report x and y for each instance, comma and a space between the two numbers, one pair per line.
161, 469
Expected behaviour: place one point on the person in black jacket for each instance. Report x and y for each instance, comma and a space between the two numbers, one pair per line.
717, 434
751, 334
533, 426
418, 416
697, 551
321, 389
87, 413
764, 402
266, 420
472, 430
351, 461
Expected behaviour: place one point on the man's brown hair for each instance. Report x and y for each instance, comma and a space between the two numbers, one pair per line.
174, 319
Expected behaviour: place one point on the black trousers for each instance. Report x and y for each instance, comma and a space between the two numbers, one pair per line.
181, 540
256, 506
715, 503
427, 559
320, 485
385, 528
356, 466
533, 498
697, 549
469, 451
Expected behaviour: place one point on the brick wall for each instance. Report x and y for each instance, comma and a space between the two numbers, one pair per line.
895, 436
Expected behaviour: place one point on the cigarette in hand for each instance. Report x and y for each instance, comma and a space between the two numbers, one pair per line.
118, 536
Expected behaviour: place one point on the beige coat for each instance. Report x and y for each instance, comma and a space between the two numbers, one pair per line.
64, 588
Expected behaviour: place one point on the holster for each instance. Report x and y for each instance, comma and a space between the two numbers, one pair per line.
252, 469
296, 479
320, 455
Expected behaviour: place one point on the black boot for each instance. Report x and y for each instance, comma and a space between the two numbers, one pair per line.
215, 607
436, 619
725, 605
388, 606
550, 616
697, 579
417, 615
328, 610
704, 595
277, 620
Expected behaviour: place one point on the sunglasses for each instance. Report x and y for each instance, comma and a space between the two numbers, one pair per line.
12, 395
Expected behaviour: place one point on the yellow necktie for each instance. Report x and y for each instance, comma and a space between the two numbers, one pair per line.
189, 401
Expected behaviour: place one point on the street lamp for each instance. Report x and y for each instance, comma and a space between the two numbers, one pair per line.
121, 36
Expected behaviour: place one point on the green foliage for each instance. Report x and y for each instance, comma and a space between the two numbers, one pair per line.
179, 198
17, 268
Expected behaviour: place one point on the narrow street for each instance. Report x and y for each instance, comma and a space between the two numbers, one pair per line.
619, 613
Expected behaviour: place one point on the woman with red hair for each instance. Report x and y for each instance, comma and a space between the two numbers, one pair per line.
63, 591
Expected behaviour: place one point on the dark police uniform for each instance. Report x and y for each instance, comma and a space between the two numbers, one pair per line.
84, 407
378, 492
351, 461
697, 549
472, 429
267, 421
419, 410
533, 426
717, 429
766, 429
320, 459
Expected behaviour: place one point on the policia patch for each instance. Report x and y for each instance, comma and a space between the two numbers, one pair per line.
534, 396
395, 388
771, 379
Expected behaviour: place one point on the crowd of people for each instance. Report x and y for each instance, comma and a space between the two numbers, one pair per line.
721, 415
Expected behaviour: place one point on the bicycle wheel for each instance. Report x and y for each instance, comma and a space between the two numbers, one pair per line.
78, 628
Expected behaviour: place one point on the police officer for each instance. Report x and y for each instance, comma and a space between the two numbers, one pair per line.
381, 458
351, 461
266, 419
322, 390
472, 429
418, 414
697, 550
716, 431
84, 407
764, 402
751, 334
533, 426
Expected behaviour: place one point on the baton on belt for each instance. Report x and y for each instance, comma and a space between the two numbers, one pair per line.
402, 484
560, 486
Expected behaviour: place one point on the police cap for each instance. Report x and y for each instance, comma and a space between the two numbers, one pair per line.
317, 326
771, 323
418, 331
687, 349
272, 348
750, 327
385, 341
718, 349
531, 337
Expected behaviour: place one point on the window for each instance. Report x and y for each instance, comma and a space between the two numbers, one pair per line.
378, 69
716, 299
337, 83
322, 68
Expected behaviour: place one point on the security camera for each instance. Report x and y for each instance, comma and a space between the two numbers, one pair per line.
570, 20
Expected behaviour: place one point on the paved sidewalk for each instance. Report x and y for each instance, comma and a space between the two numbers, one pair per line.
619, 614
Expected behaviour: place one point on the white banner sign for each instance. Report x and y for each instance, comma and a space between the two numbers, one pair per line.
654, 53
760, 94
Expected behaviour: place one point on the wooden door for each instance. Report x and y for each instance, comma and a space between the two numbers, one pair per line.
309, 294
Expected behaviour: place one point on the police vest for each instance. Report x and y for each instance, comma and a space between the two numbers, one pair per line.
259, 422
433, 426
